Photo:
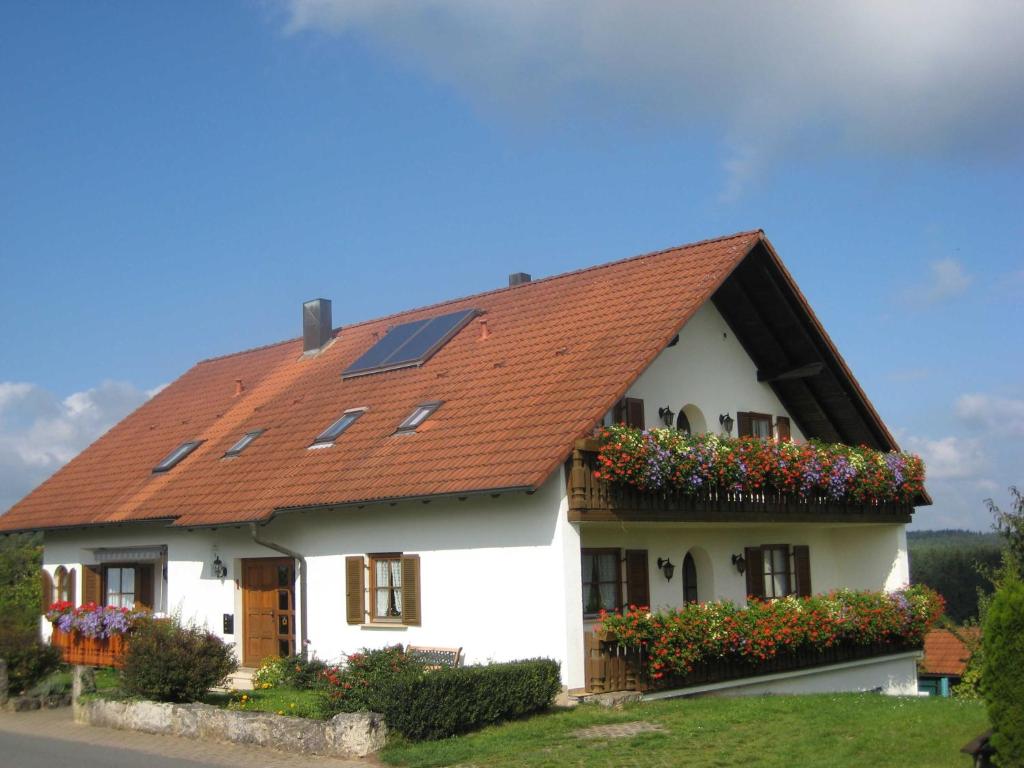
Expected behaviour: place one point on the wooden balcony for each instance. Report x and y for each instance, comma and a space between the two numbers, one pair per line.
593, 500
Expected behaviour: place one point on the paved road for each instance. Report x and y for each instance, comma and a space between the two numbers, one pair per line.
51, 739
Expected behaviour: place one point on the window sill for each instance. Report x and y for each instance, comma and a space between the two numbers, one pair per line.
380, 626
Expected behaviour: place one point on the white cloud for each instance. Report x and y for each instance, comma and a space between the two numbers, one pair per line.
994, 414
39, 432
914, 76
951, 458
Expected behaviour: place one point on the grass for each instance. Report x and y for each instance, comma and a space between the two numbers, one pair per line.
281, 701
837, 730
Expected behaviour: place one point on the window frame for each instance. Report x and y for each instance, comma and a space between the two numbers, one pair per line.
419, 414
242, 443
178, 455
769, 572
328, 436
373, 558
586, 582
752, 418
105, 591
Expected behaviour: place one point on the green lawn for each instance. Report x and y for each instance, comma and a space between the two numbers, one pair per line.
836, 730
282, 701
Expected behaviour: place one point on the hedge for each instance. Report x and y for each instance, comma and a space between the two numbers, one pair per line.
446, 702
1002, 678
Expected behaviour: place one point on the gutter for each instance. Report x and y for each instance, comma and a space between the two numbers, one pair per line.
304, 639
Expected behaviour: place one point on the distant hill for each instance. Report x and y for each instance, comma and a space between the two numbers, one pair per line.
948, 560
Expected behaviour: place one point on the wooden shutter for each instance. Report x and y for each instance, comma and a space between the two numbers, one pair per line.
744, 424
92, 584
755, 571
72, 592
354, 590
46, 590
144, 586
411, 590
782, 425
638, 588
802, 568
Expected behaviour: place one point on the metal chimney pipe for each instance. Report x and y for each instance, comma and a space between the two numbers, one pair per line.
316, 324
518, 278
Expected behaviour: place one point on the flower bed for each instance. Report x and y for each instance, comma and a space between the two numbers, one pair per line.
92, 635
669, 461
672, 645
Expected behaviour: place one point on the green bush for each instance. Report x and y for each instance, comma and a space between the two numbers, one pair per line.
288, 672
364, 682
446, 702
168, 661
1002, 680
28, 659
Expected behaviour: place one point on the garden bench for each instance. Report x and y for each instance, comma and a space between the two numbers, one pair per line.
435, 658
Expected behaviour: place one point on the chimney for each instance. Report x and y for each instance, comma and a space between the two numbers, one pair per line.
517, 278
316, 324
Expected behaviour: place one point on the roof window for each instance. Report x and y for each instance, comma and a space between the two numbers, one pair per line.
243, 443
329, 435
410, 344
177, 455
418, 416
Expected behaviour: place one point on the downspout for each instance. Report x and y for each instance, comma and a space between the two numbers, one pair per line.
254, 530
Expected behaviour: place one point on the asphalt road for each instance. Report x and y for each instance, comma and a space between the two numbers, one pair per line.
20, 751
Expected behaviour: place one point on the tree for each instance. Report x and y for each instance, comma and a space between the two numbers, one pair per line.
1010, 525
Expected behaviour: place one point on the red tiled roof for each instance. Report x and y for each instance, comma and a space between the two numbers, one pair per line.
945, 653
560, 352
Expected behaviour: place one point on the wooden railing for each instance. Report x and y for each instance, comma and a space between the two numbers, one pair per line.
611, 667
591, 499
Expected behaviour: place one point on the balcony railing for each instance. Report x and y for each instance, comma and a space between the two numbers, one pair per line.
596, 500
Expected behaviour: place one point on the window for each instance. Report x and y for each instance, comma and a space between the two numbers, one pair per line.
629, 411
778, 570
64, 584
602, 587
243, 443
329, 435
128, 586
689, 579
418, 416
410, 344
177, 455
393, 593
749, 424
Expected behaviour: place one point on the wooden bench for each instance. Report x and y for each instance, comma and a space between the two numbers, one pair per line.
435, 658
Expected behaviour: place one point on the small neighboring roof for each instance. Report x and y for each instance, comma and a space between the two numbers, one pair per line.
553, 358
945, 653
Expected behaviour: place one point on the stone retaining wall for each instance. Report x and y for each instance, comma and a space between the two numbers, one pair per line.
345, 735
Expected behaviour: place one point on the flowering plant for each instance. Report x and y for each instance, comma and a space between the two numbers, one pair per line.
92, 620
675, 641
668, 460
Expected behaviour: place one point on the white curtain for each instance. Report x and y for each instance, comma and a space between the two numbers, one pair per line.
388, 577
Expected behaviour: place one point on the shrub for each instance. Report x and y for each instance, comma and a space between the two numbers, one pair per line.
364, 682
168, 661
288, 672
28, 659
1002, 679
446, 702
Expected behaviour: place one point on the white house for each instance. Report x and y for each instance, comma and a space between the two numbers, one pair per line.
423, 478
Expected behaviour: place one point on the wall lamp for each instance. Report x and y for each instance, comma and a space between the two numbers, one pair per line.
218, 568
667, 416
666, 567
740, 562
726, 421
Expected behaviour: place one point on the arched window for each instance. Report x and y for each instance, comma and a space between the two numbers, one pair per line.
693, 418
689, 579
683, 423
60, 583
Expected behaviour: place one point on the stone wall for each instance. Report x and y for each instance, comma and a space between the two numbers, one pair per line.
345, 735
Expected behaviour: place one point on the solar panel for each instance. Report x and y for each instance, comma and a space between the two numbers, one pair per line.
410, 344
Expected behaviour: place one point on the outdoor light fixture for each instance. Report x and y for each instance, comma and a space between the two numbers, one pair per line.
219, 569
740, 562
666, 415
666, 567
726, 421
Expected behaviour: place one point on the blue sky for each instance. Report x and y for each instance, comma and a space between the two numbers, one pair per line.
175, 180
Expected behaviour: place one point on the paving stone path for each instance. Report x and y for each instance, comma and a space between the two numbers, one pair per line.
58, 724
617, 730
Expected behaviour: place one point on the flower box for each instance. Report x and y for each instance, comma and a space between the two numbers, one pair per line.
89, 651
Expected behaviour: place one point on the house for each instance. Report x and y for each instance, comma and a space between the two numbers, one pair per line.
945, 659
426, 477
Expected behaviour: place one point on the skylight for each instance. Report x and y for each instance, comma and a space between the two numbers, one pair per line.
418, 416
177, 455
329, 435
243, 443
410, 344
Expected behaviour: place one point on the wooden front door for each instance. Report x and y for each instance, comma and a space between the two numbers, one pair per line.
268, 600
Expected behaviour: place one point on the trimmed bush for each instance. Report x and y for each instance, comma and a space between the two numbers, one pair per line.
167, 661
446, 702
28, 659
364, 682
1002, 680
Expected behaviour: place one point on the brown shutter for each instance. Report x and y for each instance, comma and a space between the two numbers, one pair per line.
755, 571
411, 590
638, 588
72, 592
144, 586
619, 412
354, 590
802, 567
92, 584
635, 412
46, 590
782, 425
744, 424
